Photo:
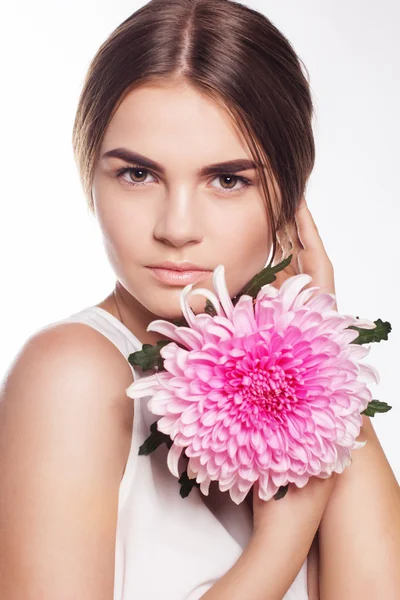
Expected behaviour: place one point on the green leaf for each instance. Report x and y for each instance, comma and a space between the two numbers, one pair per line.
267, 275
209, 309
281, 492
180, 322
187, 484
367, 336
375, 406
155, 439
149, 356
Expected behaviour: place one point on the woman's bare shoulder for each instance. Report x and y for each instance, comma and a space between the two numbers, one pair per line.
63, 345
63, 410
72, 360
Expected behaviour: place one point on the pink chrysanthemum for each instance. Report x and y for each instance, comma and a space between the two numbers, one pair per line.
268, 390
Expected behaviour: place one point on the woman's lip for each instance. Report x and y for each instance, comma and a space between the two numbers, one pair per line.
181, 278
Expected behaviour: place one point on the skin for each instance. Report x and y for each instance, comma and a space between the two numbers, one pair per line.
180, 216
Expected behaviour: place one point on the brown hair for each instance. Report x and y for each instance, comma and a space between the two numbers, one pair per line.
230, 52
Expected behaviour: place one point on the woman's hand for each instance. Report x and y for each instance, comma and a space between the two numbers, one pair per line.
309, 254
307, 504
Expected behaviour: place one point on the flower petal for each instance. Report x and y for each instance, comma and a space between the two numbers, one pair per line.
142, 387
269, 389
173, 457
222, 290
290, 288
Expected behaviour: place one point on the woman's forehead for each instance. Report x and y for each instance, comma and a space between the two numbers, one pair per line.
166, 116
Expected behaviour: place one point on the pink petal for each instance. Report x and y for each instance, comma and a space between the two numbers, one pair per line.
236, 494
190, 415
173, 456
204, 486
187, 312
267, 487
158, 403
243, 316
303, 297
189, 338
226, 323
369, 373
164, 327
356, 351
166, 423
142, 387
322, 302
222, 290
291, 287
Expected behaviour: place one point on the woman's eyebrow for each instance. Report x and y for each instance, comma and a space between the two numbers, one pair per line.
230, 166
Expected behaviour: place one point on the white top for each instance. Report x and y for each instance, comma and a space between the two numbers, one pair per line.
167, 546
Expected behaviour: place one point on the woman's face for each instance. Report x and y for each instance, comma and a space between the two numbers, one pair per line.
175, 211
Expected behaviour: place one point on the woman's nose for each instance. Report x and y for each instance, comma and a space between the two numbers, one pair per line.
178, 222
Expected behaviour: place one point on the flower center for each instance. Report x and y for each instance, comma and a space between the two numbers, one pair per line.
273, 390
268, 390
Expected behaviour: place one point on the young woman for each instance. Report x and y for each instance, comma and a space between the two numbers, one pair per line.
194, 143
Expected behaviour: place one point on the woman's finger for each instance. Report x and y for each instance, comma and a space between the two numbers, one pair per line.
307, 230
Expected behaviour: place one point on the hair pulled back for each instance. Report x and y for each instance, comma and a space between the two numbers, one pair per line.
230, 52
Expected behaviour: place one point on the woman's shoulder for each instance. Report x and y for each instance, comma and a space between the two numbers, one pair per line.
72, 369
63, 411
64, 346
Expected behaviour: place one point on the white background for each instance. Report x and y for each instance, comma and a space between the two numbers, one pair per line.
52, 257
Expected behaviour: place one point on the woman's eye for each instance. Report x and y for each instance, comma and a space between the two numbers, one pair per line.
136, 175
231, 181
